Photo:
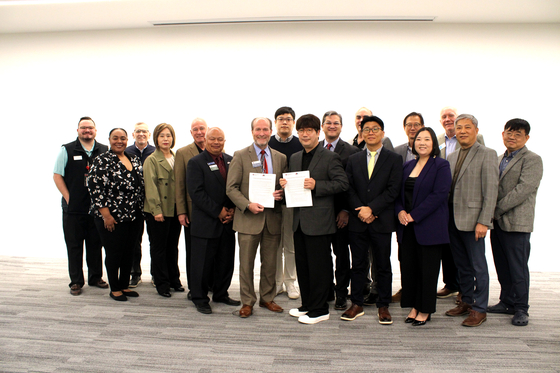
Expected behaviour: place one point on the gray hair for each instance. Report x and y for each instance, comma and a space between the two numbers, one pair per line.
332, 112
258, 118
467, 116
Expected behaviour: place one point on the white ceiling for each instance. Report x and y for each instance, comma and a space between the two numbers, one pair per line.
18, 16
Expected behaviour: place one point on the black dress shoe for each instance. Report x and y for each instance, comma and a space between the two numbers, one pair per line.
189, 296
409, 320
165, 294
371, 299
120, 298
228, 301
340, 303
131, 293
204, 308
179, 289
420, 323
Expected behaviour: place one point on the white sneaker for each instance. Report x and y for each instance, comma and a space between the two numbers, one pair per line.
312, 320
293, 292
279, 289
295, 312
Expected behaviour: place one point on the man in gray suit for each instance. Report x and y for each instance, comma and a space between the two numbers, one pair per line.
314, 225
447, 142
255, 224
472, 200
520, 175
411, 124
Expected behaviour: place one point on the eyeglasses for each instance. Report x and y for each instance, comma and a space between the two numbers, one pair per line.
287, 120
413, 125
514, 135
308, 131
368, 130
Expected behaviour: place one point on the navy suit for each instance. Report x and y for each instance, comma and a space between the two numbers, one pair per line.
379, 193
421, 242
213, 243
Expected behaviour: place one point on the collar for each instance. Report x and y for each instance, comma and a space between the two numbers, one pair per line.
334, 143
511, 155
279, 139
258, 150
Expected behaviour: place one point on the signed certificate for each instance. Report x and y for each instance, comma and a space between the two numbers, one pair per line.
296, 195
261, 188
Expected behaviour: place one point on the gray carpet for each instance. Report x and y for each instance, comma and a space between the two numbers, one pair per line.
45, 329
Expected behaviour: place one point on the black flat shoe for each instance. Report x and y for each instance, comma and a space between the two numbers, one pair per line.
131, 293
179, 288
409, 320
120, 298
165, 294
420, 323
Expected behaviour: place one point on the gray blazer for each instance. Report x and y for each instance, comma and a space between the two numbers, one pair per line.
441, 140
476, 189
401, 150
517, 192
330, 179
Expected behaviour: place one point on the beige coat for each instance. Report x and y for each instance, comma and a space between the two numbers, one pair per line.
159, 181
182, 198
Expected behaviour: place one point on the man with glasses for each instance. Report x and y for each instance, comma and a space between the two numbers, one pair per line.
358, 140
286, 143
332, 127
375, 180
142, 149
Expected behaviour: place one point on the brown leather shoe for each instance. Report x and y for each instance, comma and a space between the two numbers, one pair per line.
272, 306
384, 316
75, 289
459, 298
245, 311
446, 293
475, 318
460, 310
396, 298
101, 284
351, 313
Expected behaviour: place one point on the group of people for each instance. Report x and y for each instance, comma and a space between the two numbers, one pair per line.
440, 194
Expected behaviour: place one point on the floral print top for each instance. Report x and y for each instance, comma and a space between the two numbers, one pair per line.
111, 185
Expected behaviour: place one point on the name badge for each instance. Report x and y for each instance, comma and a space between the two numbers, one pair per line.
256, 164
442, 146
77, 157
213, 166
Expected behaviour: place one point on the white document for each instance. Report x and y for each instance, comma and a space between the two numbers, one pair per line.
261, 188
296, 195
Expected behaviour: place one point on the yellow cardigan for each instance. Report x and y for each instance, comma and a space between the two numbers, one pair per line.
159, 181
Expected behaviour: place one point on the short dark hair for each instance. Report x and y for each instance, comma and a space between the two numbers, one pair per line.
329, 113
118, 128
517, 124
308, 121
85, 118
372, 118
412, 115
159, 129
285, 110
435, 146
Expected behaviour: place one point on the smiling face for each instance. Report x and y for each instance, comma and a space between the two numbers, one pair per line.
198, 132
466, 133
165, 139
141, 135
309, 138
373, 135
424, 144
86, 130
447, 118
261, 132
411, 127
215, 140
118, 141
360, 114
514, 140
332, 127
284, 125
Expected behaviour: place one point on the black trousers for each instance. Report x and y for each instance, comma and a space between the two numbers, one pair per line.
341, 250
380, 243
119, 247
314, 269
164, 251
419, 272
137, 254
212, 258
77, 229
449, 269
511, 257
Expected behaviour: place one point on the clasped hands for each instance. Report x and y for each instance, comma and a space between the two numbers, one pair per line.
405, 218
226, 215
365, 214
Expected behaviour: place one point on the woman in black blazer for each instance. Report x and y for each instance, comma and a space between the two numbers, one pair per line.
423, 215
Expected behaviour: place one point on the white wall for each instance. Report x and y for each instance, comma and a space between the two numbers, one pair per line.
229, 74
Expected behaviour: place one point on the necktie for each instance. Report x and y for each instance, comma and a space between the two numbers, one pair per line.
263, 162
329, 146
371, 163
221, 166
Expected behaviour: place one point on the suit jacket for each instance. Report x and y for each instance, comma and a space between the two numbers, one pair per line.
344, 150
441, 141
237, 189
430, 210
378, 192
330, 179
159, 181
207, 189
402, 150
476, 189
182, 197
517, 192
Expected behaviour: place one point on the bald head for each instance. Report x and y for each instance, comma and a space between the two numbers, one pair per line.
198, 132
360, 114
215, 140
447, 117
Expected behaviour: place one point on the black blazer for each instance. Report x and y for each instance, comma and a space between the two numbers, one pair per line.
207, 189
379, 192
330, 179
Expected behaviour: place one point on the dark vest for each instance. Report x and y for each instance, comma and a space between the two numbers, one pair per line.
75, 174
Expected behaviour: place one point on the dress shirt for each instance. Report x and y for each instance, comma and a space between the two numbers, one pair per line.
267, 156
279, 139
506, 159
450, 145
334, 143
